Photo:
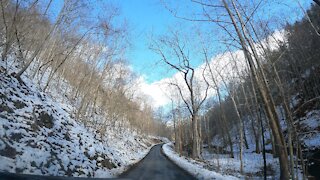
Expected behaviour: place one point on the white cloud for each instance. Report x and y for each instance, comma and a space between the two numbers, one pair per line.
154, 92
158, 93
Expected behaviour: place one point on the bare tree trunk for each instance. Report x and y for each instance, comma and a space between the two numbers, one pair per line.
194, 102
232, 96
180, 133
263, 89
241, 119
251, 114
195, 138
222, 114
240, 132
263, 146
176, 145
200, 136
207, 129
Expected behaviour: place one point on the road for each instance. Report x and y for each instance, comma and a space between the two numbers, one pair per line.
11, 176
156, 166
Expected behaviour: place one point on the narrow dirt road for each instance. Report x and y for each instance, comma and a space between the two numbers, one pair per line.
156, 166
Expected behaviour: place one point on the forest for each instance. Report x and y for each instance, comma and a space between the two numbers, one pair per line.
265, 106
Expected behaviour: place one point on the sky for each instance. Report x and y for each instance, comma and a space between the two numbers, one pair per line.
149, 19
146, 18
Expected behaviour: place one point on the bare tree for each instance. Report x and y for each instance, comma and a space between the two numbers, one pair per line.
244, 38
194, 99
260, 80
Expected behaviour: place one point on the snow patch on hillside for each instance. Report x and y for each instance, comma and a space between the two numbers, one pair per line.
39, 136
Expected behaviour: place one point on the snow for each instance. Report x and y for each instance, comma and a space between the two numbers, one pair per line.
195, 168
312, 120
252, 164
39, 135
313, 141
309, 129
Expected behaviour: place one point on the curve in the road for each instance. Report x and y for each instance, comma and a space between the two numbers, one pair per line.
156, 166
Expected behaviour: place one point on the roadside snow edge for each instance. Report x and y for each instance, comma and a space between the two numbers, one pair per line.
195, 169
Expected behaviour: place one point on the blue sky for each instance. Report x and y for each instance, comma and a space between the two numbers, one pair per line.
148, 18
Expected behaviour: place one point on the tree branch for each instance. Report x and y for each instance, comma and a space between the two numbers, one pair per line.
182, 97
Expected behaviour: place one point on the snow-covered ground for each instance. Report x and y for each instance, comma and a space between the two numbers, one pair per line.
196, 168
222, 166
252, 164
310, 129
39, 136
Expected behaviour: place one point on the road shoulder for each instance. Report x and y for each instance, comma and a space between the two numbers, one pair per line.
191, 166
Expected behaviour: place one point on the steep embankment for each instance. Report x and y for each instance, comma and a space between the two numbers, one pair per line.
38, 136
307, 124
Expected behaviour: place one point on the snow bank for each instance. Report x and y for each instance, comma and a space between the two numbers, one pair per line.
197, 169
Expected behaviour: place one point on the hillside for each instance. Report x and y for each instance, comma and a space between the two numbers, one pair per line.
39, 136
